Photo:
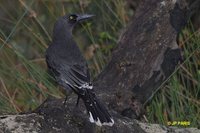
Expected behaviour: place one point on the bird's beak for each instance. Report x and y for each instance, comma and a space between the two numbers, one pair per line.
84, 17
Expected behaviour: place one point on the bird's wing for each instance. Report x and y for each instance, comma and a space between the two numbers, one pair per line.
76, 76
68, 74
73, 75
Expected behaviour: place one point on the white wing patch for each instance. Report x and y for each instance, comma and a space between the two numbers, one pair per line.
86, 85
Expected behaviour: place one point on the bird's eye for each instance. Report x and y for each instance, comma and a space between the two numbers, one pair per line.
72, 18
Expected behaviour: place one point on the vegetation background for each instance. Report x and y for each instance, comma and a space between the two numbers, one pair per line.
25, 33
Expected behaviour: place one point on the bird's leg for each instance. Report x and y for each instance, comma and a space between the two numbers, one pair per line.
77, 101
65, 101
68, 91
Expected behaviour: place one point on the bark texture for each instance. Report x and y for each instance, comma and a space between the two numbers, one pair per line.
146, 55
53, 117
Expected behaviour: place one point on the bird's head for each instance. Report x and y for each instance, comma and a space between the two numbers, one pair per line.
67, 22
73, 19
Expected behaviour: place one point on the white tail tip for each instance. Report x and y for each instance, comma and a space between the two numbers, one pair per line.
98, 122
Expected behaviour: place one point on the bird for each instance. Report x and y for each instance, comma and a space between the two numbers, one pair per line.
70, 70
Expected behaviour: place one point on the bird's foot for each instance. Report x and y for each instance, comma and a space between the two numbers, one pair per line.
77, 101
64, 103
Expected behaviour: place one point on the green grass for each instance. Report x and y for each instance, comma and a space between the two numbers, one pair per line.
25, 33
179, 98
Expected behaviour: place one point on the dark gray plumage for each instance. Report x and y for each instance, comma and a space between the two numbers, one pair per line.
70, 69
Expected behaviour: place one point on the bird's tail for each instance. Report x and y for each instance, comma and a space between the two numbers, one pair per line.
98, 113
